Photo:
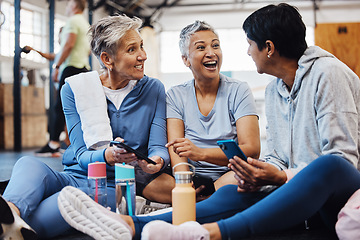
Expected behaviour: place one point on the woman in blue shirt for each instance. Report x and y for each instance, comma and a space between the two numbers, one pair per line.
136, 110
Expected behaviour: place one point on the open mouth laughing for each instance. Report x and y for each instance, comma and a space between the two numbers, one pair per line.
210, 64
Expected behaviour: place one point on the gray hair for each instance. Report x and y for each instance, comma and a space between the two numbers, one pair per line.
189, 30
106, 33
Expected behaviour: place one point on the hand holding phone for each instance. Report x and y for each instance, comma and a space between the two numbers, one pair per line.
130, 149
231, 149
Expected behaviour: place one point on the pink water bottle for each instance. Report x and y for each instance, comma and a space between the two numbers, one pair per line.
97, 182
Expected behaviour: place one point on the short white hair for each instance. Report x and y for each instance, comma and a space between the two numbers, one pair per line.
106, 33
189, 30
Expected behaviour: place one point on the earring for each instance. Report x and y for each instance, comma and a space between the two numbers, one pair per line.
268, 56
110, 69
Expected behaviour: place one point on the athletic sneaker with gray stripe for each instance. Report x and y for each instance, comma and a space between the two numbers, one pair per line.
87, 216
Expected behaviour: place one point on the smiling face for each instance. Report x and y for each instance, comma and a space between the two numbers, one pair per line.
205, 56
129, 60
259, 57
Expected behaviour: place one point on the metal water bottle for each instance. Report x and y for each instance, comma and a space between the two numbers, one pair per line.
183, 197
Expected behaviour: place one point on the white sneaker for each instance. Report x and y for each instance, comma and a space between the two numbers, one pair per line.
89, 217
12, 226
159, 230
146, 207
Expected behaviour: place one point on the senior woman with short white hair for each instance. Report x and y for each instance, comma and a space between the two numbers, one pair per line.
135, 107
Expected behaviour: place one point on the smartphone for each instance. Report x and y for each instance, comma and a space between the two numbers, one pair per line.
130, 149
199, 180
231, 149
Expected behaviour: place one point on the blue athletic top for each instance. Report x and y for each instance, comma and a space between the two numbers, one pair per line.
140, 121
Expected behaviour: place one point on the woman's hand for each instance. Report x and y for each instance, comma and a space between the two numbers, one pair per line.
149, 167
115, 154
183, 147
253, 174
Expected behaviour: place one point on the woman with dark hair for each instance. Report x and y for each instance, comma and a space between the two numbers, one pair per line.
312, 109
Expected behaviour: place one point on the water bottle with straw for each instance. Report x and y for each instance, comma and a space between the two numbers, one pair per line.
125, 189
97, 182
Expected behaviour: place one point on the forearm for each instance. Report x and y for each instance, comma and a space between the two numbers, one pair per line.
214, 155
48, 56
251, 149
175, 159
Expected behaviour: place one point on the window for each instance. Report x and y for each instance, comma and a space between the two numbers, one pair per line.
33, 31
233, 44
7, 30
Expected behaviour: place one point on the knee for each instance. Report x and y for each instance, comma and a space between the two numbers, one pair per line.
29, 164
227, 188
26, 162
330, 164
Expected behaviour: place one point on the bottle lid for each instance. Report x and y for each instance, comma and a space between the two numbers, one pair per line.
97, 170
183, 176
124, 171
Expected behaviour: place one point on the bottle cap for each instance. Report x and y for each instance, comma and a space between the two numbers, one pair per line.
124, 172
183, 176
97, 170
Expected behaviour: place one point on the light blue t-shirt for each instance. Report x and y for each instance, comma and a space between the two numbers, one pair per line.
234, 100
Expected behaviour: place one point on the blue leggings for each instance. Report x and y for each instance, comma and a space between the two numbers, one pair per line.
322, 187
34, 188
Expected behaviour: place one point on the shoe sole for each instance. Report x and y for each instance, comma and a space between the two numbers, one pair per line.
12, 226
85, 215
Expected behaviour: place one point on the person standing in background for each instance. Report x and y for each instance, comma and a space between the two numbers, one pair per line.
73, 59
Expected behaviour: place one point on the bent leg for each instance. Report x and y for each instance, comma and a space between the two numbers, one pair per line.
227, 178
33, 188
159, 190
324, 185
31, 181
222, 204
47, 220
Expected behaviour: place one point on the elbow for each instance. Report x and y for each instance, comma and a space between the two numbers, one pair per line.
254, 151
